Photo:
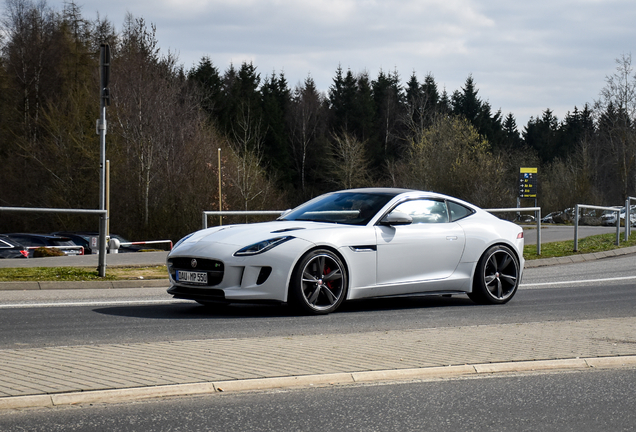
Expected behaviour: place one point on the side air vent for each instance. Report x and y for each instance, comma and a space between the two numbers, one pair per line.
263, 275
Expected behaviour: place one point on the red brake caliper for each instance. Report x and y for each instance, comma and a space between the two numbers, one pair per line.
327, 271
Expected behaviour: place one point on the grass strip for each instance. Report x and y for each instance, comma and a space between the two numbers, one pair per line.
81, 274
591, 244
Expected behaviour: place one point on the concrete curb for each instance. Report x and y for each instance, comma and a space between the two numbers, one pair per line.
431, 373
572, 259
53, 285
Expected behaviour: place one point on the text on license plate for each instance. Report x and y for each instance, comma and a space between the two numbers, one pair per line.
194, 277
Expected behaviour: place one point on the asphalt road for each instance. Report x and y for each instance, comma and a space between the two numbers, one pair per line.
577, 401
597, 289
574, 401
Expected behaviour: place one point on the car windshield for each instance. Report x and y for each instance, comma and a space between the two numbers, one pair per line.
352, 208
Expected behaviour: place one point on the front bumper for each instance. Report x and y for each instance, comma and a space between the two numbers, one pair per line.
261, 277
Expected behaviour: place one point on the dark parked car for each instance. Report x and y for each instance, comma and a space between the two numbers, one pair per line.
34, 241
83, 240
10, 248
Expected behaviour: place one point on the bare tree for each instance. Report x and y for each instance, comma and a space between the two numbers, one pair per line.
304, 124
247, 149
450, 157
348, 164
616, 117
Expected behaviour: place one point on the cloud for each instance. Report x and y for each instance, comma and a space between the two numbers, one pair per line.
524, 56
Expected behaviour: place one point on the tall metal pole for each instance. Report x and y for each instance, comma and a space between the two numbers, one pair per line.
104, 69
107, 193
220, 196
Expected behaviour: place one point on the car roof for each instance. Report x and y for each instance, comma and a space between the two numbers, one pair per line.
42, 236
11, 240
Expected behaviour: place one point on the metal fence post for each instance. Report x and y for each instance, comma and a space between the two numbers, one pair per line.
101, 266
538, 216
628, 219
618, 227
576, 228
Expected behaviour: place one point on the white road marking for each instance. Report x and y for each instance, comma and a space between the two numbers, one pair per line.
575, 282
90, 303
173, 301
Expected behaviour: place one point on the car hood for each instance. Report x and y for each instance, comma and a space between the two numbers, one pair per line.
244, 235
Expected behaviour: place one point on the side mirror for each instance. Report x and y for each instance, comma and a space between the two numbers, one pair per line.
396, 218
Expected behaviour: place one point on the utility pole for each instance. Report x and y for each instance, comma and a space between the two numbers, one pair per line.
104, 97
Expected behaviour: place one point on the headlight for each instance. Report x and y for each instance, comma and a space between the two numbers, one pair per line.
262, 246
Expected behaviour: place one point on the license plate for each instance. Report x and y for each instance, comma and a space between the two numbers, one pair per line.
192, 277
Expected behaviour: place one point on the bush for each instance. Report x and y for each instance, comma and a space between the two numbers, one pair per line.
46, 252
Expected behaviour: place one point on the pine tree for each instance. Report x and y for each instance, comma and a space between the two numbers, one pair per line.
388, 99
276, 96
207, 77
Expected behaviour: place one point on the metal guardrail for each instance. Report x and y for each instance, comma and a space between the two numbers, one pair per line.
147, 243
628, 226
576, 222
101, 268
537, 216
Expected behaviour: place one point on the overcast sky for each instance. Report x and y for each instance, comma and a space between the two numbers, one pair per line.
525, 56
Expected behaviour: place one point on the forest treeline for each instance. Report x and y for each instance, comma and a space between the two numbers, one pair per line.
280, 144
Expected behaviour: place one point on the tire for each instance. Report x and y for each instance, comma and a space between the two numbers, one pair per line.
319, 283
496, 277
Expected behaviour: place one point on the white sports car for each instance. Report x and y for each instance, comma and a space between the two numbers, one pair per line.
353, 244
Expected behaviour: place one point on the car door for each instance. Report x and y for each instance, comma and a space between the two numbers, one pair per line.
429, 248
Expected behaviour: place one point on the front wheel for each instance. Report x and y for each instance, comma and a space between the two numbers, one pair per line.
319, 282
496, 277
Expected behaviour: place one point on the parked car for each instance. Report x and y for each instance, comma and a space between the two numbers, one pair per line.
525, 218
34, 241
549, 218
609, 217
80, 240
353, 244
9, 248
632, 216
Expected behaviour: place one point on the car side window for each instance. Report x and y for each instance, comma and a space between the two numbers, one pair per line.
4, 245
424, 211
458, 211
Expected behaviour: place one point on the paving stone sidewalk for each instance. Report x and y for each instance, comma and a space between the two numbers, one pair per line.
53, 375
55, 370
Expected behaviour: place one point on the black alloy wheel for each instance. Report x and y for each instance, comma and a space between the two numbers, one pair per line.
496, 277
319, 282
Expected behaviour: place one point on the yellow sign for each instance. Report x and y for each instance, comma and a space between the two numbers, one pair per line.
528, 182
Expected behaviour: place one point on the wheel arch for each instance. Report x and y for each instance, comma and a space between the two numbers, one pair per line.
309, 250
497, 243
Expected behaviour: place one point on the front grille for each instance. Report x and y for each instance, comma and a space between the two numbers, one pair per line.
202, 264
214, 268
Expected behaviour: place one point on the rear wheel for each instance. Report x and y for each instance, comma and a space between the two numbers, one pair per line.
319, 282
496, 277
